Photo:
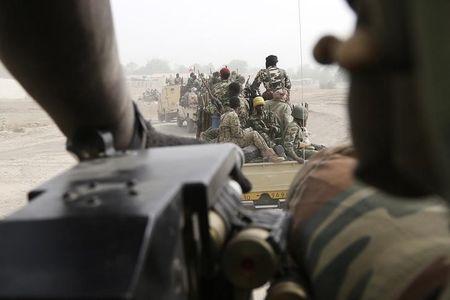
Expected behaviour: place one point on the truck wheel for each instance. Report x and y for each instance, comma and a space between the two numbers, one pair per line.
180, 122
190, 126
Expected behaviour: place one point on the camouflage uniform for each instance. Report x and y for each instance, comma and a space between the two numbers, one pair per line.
210, 135
220, 91
282, 112
267, 126
230, 131
244, 112
273, 78
193, 83
293, 138
355, 242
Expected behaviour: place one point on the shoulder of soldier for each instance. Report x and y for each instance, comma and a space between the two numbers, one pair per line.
268, 103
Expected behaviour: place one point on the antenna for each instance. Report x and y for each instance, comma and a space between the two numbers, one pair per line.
301, 62
300, 46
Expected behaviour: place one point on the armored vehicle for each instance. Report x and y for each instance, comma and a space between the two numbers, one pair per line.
168, 105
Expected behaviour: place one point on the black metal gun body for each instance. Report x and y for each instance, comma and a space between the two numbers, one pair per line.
118, 228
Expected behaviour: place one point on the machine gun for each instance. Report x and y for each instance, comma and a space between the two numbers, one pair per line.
137, 226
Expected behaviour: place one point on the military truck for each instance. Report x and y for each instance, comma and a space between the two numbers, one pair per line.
168, 105
270, 182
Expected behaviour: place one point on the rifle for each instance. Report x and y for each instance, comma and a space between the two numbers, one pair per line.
216, 102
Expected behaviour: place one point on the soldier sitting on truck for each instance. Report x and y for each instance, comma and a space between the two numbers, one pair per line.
264, 122
215, 78
296, 140
280, 109
235, 90
230, 131
193, 82
190, 98
178, 80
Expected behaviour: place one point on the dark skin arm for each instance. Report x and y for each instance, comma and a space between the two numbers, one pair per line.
64, 54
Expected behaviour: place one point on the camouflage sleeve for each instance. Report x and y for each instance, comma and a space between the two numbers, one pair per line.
235, 126
287, 81
289, 141
275, 125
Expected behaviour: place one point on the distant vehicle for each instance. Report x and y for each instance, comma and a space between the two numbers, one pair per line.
150, 96
168, 105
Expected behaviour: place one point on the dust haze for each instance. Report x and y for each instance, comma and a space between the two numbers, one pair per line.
157, 39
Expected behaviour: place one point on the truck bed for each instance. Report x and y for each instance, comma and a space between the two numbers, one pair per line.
271, 183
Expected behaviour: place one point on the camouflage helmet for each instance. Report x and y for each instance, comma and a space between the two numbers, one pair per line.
300, 112
257, 101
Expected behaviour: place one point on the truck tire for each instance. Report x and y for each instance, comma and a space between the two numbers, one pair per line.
190, 125
180, 122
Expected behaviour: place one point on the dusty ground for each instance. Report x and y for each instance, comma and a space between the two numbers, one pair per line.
32, 149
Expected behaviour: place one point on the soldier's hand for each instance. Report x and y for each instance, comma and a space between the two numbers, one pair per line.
300, 160
302, 146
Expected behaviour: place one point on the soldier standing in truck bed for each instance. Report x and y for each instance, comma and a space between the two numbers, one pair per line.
272, 77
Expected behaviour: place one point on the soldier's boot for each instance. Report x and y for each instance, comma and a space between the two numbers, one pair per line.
279, 150
270, 155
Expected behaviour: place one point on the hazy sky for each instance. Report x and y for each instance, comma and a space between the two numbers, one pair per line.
203, 31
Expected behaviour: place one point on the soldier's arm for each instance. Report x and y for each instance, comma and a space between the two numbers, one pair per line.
287, 82
288, 143
256, 82
64, 54
276, 127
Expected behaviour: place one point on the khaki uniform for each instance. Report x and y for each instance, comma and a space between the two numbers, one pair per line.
282, 112
230, 131
296, 142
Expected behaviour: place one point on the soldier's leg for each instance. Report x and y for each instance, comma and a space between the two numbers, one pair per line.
210, 135
267, 139
254, 138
